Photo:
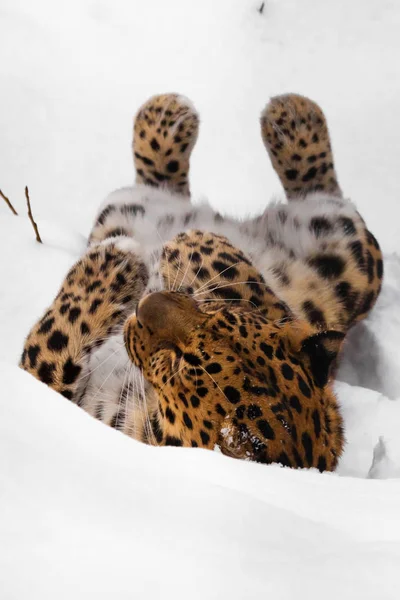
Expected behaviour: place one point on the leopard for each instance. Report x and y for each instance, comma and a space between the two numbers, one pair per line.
180, 326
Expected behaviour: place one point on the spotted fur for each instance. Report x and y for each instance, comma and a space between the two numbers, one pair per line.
240, 323
296, 136
97, 295
229, 377
165, 131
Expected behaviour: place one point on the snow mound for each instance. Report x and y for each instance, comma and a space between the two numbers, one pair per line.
371, 355
87, 512
368, 416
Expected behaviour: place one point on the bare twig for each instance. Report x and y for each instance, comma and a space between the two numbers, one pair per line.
9, 203
35, 227
261, 9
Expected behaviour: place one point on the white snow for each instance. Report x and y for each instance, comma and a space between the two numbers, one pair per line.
84, 511
89, 513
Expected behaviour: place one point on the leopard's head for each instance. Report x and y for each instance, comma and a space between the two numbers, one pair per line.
228, 376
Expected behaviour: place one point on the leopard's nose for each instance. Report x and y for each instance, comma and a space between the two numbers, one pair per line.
159, 305
169, 315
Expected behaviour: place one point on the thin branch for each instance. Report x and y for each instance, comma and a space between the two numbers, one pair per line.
35, 227
9, 203
261, 9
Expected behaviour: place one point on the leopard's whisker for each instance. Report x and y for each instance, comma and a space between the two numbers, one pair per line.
160, 277
186, 270
166, 258
184, 273
138, 402
151, 436
205, 285
139, 409
143, 405
258, 308
101, 340
106, 338
177, 272
173, 375
104, 382
121, 395
231, 284
102, 363
197, 272
132, 398
115, 335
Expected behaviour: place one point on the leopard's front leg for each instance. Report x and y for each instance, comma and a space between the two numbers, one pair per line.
98, 293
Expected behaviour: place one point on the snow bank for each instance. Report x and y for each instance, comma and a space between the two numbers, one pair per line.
372, 356
373, 442
87, 512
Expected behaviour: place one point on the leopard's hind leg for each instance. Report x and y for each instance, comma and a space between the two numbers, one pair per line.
324, 262
295, 133
164, 134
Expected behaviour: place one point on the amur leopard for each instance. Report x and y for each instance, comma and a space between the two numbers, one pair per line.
182, 327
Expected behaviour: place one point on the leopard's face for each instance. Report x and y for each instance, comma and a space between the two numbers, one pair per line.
229, 377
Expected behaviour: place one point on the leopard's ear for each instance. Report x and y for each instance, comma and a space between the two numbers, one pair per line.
320, 351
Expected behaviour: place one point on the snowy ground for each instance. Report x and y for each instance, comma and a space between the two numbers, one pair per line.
84, 511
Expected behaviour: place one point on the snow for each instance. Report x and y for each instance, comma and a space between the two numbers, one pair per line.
87, 512
84, 511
